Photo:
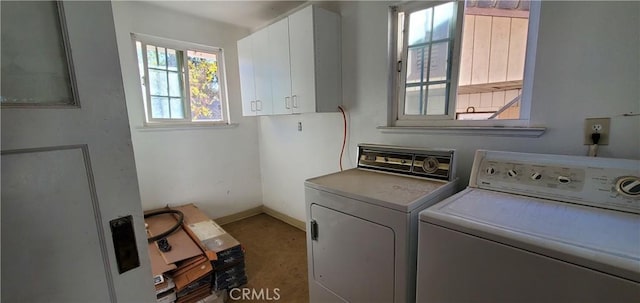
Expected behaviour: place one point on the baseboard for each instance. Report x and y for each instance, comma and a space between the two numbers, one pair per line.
239, 216
284, 218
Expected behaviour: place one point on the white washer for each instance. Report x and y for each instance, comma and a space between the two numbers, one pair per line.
535, 228
363, 223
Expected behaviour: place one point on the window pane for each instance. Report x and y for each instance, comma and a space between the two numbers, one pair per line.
141, 69
443, 15
172, 59
420, 26
177, 110
436, 99
152, 56
162, 57
204, 86
174, 85
439, 61
416, 65
492, 57
160, 107
35, 66
158, 82
413, 100
140, 62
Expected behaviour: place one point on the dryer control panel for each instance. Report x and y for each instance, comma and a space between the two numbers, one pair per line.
601, 182
429, 163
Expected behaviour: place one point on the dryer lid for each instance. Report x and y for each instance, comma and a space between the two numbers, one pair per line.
602, 239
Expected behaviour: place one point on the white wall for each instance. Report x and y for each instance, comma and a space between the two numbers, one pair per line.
218, 169
587, 66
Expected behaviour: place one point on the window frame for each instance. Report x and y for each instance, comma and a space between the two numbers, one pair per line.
184, 48
396, 118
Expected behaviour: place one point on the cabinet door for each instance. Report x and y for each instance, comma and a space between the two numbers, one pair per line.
352, 257
302, 61
281, 69
247, 83
262, 67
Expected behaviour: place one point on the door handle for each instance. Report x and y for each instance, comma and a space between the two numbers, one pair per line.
258, 105
286, 102
253, 106
314, 230
124, 243
295, 101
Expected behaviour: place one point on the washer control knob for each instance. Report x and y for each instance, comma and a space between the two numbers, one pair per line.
629, 186
564, 180
536, 176
512, 173
491, 170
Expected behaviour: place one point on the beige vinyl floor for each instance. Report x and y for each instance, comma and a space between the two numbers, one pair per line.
275, 258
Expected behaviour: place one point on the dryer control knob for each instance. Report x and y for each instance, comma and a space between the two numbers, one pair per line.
490, 170
536, 176
430, 165
512, 173
564, 180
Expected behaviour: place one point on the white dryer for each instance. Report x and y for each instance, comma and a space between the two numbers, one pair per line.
363, 222
535, 228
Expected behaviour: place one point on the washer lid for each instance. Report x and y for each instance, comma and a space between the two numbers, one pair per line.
384, 189
601, 239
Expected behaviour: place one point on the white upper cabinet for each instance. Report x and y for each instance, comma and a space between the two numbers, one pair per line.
280, 67
314, 46
255, 74
296, 62
247, 83
262, 67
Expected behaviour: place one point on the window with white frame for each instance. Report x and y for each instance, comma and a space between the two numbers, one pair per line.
459, 60
181, 82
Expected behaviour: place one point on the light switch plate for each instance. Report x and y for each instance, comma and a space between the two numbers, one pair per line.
601, 125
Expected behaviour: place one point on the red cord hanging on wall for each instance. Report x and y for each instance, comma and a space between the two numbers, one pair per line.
344, 134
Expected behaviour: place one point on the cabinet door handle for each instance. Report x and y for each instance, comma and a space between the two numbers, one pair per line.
286, 102
258, 105
314, 230
253, 106
295, 101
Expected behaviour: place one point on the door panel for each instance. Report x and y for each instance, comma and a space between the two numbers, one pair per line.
352, 257
302, 60
247, 84
65, 198
281, 71
262, 71
38, 188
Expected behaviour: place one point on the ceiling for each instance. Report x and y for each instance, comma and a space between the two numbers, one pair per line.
246, 14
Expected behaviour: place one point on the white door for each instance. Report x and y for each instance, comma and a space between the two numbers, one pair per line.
302, 61
262, 66
247, 83
281, 71
352, 257
66, 173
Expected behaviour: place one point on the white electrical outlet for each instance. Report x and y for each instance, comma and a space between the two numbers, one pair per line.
597, 125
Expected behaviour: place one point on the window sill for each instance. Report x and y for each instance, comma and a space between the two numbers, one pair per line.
185, 126
494, 131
